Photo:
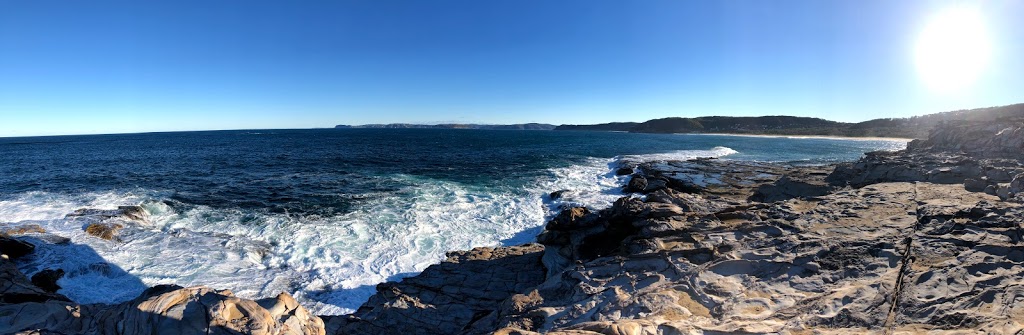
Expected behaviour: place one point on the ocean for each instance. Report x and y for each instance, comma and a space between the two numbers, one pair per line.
325, 214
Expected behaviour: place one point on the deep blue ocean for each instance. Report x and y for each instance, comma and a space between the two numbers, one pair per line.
325, 214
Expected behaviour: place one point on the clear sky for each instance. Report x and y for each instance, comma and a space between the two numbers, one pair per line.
77, 67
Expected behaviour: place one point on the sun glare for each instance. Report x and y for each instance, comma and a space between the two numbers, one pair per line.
953, 49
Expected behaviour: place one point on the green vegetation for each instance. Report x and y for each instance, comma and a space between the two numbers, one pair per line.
913, 127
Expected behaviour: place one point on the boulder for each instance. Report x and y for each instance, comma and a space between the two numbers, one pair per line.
625, 170
16, 288
636, 184
975, 185
572, 218
14, 248
47, 279
105, 230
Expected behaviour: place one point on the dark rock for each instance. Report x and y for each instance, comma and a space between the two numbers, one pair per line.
127, 213
788, 188
636, 184
572, 218
557, 194
654, 184
975, 185
47, 279
625, 170
16, 288
14, 248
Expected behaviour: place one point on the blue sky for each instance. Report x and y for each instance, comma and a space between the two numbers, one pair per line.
78, 67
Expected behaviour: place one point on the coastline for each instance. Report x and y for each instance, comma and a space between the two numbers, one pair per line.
900, 139
695, 246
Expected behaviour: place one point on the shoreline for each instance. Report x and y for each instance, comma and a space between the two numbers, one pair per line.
865, 246
824, 137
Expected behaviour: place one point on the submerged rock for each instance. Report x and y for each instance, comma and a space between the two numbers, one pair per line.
105, 230
47, 279
108, 224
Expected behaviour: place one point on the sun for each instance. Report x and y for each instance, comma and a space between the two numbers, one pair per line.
953, 49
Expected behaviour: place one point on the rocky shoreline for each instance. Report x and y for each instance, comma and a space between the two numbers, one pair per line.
924, 240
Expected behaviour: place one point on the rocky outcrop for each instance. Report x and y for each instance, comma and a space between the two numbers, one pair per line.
33, 306
978, 139
881, 258
450, 297
166, 309
983, 156
107, 224
16, 288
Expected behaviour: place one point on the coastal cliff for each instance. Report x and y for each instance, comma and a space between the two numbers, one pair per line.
928, 239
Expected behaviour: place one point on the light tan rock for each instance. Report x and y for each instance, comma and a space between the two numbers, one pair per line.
166, 310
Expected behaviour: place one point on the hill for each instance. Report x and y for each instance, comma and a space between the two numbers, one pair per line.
913, 127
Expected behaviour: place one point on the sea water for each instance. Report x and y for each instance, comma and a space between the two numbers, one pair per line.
326, 214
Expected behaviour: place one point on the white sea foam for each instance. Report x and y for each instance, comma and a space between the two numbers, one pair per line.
331, 264
680, 155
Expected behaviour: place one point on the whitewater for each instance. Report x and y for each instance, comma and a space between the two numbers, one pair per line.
391, 223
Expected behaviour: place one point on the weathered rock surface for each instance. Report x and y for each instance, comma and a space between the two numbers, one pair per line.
447, 298
165, 310
979, 139
983, 156
16, 288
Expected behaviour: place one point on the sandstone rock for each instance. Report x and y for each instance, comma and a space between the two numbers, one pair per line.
166, 309
788, 188
572, 218
105, 230
21, 229
1001, 138
449, 297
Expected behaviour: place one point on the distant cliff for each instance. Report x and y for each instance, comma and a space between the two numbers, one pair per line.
913, 127
522, 126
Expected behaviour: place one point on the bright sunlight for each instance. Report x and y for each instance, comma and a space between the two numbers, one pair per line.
953, 49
